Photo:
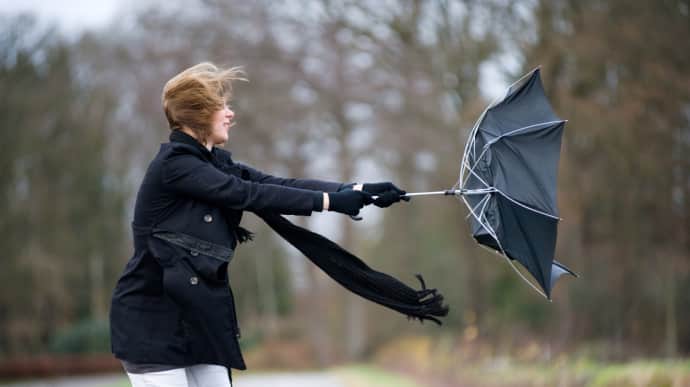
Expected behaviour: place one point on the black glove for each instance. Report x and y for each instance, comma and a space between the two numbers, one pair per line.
348, 201
387, 193
377, 188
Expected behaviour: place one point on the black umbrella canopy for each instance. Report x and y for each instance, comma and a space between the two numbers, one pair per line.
508, 178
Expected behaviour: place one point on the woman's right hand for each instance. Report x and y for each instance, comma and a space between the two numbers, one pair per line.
387, 193
348, 201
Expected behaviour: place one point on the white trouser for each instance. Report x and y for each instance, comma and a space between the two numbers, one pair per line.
201, 375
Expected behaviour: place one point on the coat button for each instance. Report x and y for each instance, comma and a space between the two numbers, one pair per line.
194, 253
193, 280
208, 218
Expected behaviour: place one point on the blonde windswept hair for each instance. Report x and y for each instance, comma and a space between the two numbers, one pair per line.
191, 97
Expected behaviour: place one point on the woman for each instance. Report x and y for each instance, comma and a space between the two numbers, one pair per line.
172, 315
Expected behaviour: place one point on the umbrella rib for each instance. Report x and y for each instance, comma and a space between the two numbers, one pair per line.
486, 227
467, 169
494, 189
474, 208
521, 78
512, 132
526, 206
480, 202
483, 211
495, 140
469, 148
469, 145
493, 234
503, 253
510, 262
471, 170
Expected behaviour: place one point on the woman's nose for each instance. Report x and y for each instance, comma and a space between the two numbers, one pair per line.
229, 113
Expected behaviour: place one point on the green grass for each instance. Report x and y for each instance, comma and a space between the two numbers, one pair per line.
647, 373
582, 372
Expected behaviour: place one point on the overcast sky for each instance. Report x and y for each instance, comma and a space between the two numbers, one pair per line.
71, 15
75, 16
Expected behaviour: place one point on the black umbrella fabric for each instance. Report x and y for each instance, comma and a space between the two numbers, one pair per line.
508, 179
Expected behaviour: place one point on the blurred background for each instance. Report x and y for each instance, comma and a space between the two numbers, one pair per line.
359, 91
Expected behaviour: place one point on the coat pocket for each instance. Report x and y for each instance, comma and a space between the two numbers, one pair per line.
208, 260
148, 330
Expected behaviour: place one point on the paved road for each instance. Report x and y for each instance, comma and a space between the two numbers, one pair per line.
85, 381
303, 379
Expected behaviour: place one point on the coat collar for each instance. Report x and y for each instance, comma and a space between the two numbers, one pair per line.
180, 136
215, 154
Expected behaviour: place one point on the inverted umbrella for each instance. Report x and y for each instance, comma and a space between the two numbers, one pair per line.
508, 177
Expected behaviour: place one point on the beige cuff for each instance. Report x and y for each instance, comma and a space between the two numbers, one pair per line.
326, 202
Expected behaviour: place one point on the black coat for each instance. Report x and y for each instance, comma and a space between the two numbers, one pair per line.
173, 303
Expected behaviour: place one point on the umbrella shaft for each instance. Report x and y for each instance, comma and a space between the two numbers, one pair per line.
446, 193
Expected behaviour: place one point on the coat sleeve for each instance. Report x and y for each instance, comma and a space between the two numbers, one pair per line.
318, 185
186, 174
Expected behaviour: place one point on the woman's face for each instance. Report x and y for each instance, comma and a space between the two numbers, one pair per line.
221, 121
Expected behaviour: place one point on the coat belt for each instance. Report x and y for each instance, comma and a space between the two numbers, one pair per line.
188, 242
